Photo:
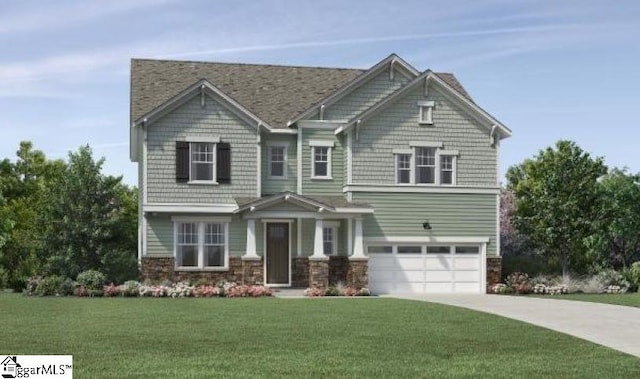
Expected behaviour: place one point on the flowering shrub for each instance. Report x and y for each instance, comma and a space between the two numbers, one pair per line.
332, 291
111, 290
92, 280
259, 291
612, 278
349, 291
314, 292
180, 289
32, 285
130, 288
615, 289
364, 292
206, 291
500, 288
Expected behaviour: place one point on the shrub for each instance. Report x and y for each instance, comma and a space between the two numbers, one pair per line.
592, 285
632, 275
181, 289
565, 284
224, 287
4, 278
201, 282
206, 291
32, 285
130, 288
350, 291
50, 286
92, 280
332, 291
111, 290
613, 278
364, 292
314, 292
260, 291
500, 288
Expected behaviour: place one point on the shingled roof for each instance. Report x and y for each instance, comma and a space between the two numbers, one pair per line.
275, 94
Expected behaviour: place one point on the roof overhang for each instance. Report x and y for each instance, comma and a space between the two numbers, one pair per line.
392, 62
303, 202
428, 78
189, 208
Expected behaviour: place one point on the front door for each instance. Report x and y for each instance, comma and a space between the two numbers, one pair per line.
277, 254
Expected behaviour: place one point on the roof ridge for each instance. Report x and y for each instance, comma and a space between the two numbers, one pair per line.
245, 64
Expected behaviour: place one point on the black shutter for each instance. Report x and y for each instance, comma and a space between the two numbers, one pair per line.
182, 161
223, 163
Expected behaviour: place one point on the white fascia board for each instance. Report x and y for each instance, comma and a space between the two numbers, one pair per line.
437, 145
282, 131
321, 124
355, 210
423, 239
405, 68
295, 214
134, 143
212, 139
402, 151
447, 152
413, 188
200, 219
189, 208
321, 143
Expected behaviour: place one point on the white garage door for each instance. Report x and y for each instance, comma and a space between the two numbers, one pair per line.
425, 268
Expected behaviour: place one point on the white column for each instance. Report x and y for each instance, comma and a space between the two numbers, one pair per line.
318, 251
358, 248
349, 236
251, 239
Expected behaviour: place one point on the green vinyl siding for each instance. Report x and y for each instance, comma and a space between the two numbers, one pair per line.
270, 185
365, 96
193, 120
327, 187
395, 126
450, 215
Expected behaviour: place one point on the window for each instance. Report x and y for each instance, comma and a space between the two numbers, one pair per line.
278, 161
426, 112
438, 250
330, 240
403, 164
467, 250
380, 249
425, 165
446, 169
201, 245
409, 250
202, 161
321, 162
205, 160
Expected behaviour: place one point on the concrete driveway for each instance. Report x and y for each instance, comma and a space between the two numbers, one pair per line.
613, 326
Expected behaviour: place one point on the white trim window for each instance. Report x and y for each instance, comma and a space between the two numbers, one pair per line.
201, 245
203, 162
426, 112
278, 161
425, 165
321, 168
447, 169
403, 169
330, 239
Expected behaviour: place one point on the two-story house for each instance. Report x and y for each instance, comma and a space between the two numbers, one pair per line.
305, 176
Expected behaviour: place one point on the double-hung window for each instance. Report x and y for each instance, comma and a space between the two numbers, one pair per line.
330, 238
425, 165
403, 165
278, 161
201, 244
203, 161
321, 159
446, 169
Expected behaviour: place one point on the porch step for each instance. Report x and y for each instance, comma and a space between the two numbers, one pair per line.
288, 292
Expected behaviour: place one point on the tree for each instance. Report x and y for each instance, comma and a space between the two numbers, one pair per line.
557, 200
616, 243
88, 220
23, 184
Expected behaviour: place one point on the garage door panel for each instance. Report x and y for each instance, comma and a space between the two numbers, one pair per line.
438, 287
382, 262
384, 276
467, 263
438, 263
410, 276
466, 287
409, 287
439, 276
467, 276
410, 263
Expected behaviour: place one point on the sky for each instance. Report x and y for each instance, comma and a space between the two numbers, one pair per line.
548, 70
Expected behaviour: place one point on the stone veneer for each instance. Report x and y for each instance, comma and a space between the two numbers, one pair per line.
248, 271
305, 271
494, 271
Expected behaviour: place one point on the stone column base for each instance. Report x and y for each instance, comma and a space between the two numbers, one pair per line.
338, 270
494, 271
300, 272
319, 272
358, 273
252, 271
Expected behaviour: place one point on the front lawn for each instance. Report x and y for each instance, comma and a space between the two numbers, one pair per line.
267, 337
628, 299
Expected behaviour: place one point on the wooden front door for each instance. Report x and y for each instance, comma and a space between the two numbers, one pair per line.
277, 253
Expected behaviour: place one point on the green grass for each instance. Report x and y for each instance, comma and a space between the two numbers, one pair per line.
367, 337
628, 299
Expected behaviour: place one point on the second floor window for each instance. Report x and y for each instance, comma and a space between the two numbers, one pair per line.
425, 165
321, 162
202, 161
277, 161
446, 169
404, 168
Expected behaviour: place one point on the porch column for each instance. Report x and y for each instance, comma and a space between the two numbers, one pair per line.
318, 249
251, 239
358, 248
